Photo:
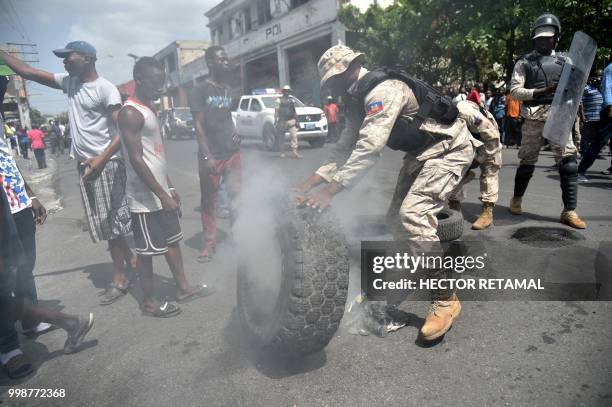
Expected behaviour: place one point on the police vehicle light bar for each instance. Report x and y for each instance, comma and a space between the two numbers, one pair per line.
266, 91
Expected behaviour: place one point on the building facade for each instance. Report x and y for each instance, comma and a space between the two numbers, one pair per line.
278, 42
16, 106
175, 57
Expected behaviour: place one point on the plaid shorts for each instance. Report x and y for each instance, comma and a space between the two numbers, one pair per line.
105, 202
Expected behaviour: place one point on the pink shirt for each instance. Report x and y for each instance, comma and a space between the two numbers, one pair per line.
474, 96
331, 112
37, 137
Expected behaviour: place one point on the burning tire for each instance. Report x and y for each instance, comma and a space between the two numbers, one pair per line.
300, 313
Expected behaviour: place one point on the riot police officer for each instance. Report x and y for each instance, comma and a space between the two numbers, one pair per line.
286, 119
534, 81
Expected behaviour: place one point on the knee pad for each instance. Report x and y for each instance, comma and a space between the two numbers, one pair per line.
525, 171
568, 166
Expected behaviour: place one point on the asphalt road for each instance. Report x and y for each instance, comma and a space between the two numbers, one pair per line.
514, 353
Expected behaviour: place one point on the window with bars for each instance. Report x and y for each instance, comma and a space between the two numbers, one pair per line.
264, 13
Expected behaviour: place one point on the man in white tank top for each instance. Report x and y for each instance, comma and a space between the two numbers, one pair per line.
154, 203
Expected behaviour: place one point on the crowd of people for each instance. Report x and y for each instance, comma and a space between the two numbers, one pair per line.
497, 101
37, 139
125, 185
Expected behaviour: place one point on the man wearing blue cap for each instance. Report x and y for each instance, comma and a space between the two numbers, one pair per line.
94, 104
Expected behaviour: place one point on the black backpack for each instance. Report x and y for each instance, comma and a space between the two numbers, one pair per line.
405, 135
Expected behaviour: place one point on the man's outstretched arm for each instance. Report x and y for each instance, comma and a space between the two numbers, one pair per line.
27, 72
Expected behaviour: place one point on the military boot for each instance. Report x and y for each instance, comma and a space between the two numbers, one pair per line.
440, 318
572, 219
515, 205
521, 181
486, 217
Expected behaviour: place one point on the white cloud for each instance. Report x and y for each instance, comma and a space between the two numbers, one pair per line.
118, 27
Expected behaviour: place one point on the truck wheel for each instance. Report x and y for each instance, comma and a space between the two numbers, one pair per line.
301, 313
318, 143
450, 225
269, 137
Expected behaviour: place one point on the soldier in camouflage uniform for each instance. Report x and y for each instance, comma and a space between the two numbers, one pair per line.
426, 180
534, 81
483, 126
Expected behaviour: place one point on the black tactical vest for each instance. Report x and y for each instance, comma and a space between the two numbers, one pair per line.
542, 71
286, 109
405, 135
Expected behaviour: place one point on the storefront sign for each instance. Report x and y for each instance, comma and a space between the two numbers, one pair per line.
273, 31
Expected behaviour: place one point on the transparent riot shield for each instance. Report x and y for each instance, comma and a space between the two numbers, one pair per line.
574, 75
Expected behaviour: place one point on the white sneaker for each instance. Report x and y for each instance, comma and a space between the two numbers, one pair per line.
583, 178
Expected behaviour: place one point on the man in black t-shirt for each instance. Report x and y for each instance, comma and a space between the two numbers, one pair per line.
212, 103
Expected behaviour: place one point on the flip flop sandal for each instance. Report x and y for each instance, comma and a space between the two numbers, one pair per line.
103, 292
18, 366
165, 310
75, 339
201, 292
112, 294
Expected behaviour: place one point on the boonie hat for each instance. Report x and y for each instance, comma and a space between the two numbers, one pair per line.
335, 61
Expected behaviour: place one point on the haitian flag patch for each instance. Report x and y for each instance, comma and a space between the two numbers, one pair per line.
374, 107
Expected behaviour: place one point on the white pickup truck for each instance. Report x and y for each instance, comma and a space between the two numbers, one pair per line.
254, 119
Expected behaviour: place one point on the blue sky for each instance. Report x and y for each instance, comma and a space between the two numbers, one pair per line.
115, 27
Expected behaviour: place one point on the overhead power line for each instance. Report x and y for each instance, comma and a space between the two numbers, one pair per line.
18, 20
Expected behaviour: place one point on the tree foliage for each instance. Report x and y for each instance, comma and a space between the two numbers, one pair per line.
36, 118
451, 41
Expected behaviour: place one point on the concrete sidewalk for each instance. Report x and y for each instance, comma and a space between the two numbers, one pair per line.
43, 182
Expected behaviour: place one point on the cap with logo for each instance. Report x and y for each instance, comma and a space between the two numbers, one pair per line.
335, 61
81, 47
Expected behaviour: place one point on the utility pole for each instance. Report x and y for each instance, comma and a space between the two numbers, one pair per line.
27, 53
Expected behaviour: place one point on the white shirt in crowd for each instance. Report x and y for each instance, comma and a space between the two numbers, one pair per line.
92, 126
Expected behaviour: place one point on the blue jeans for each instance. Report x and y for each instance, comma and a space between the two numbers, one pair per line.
25, 286
596, 144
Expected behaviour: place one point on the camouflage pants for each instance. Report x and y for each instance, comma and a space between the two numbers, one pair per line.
422, 190
577, 133
291, 127
533, 140
489, 181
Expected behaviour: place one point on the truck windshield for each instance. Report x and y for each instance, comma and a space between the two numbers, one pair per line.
272, 101
183, 115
